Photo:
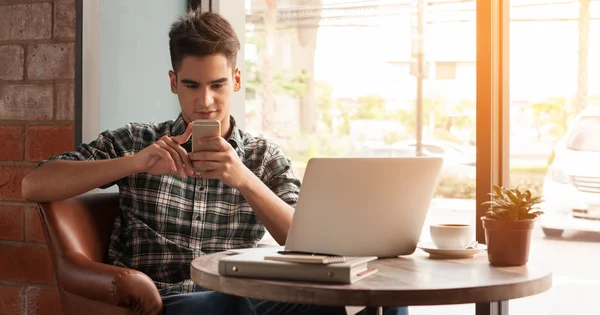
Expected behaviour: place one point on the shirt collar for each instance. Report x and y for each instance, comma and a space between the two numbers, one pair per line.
178, 127
235, 138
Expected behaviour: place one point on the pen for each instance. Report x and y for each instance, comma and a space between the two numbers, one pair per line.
295, 252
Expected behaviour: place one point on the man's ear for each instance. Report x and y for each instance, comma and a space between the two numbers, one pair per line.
173, 81
237, 79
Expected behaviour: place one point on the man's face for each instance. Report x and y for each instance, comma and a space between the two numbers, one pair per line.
205, 86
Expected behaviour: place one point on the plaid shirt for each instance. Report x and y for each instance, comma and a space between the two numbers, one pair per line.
165, 221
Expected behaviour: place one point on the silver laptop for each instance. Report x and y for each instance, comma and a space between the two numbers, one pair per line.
363, 206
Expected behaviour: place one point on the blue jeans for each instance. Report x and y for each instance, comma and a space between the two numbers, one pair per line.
210, 302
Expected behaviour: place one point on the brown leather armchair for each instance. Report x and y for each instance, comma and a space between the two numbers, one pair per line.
78, 232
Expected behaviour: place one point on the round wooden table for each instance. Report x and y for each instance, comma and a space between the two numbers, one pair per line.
403, 281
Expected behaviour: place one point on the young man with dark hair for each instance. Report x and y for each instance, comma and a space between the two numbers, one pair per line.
170, 214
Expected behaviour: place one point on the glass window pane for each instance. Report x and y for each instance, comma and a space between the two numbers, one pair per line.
135, 61
554, 85
340, 78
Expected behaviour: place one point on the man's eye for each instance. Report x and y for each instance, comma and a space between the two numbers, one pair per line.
191, 86
217, 86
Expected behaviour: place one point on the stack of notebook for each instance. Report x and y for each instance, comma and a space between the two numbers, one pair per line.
297, 266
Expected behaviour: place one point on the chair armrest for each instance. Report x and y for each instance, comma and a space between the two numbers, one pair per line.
110, 284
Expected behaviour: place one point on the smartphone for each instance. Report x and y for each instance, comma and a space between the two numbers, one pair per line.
205, 128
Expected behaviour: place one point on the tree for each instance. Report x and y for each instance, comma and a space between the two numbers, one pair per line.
432, 113
298, 80
285, 81
439, 118
583, 25
551, 116
303, 55
267, 84
332, 115
371, 107
326, 105
594, 100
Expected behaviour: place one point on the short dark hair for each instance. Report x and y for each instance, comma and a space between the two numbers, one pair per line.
202, 34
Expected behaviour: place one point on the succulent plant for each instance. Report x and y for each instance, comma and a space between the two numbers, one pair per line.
512, 204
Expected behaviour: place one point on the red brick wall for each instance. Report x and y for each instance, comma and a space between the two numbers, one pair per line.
37, 70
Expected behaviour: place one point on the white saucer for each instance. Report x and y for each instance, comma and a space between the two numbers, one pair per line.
451, 253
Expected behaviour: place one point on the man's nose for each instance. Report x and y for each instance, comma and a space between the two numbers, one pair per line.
206, 98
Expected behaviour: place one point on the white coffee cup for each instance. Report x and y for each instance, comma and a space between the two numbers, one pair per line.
451, 236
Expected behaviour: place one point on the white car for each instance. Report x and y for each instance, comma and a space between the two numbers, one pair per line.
571, 190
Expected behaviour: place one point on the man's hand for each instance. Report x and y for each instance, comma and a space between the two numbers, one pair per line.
166, 156
225, 164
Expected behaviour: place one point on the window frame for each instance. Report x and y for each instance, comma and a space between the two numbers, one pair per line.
492, 113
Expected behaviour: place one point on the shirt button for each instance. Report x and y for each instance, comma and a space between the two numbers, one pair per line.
201, 188
197, 217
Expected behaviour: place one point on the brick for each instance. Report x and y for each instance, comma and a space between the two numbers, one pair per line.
12, 138
51, 61
26, 21
10, 182
65, 101
12, 60
46, 141
12, 300
34, 231
25, 263
64, 19
26, 102
7, 2
11, 223
43, 301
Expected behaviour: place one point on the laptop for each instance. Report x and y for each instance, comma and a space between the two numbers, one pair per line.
363, 206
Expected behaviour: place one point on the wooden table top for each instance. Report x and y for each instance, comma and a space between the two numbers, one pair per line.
409, 280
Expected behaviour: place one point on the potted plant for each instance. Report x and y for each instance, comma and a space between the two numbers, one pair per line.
508, 225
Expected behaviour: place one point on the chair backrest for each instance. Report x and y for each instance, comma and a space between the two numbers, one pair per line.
82, 224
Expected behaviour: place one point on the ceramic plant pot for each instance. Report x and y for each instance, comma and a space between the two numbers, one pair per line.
507, 241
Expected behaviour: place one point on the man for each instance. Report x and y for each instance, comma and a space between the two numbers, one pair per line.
169, 213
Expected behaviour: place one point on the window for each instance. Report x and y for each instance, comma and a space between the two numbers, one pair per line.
554, 83
123, 66
445, 70
346, 81
552, 55
331, 78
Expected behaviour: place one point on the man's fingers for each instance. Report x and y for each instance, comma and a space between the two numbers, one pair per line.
210, 174
184, 137
207, 156
206, 165
174, 156
167, 157
212, 144
183, 155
